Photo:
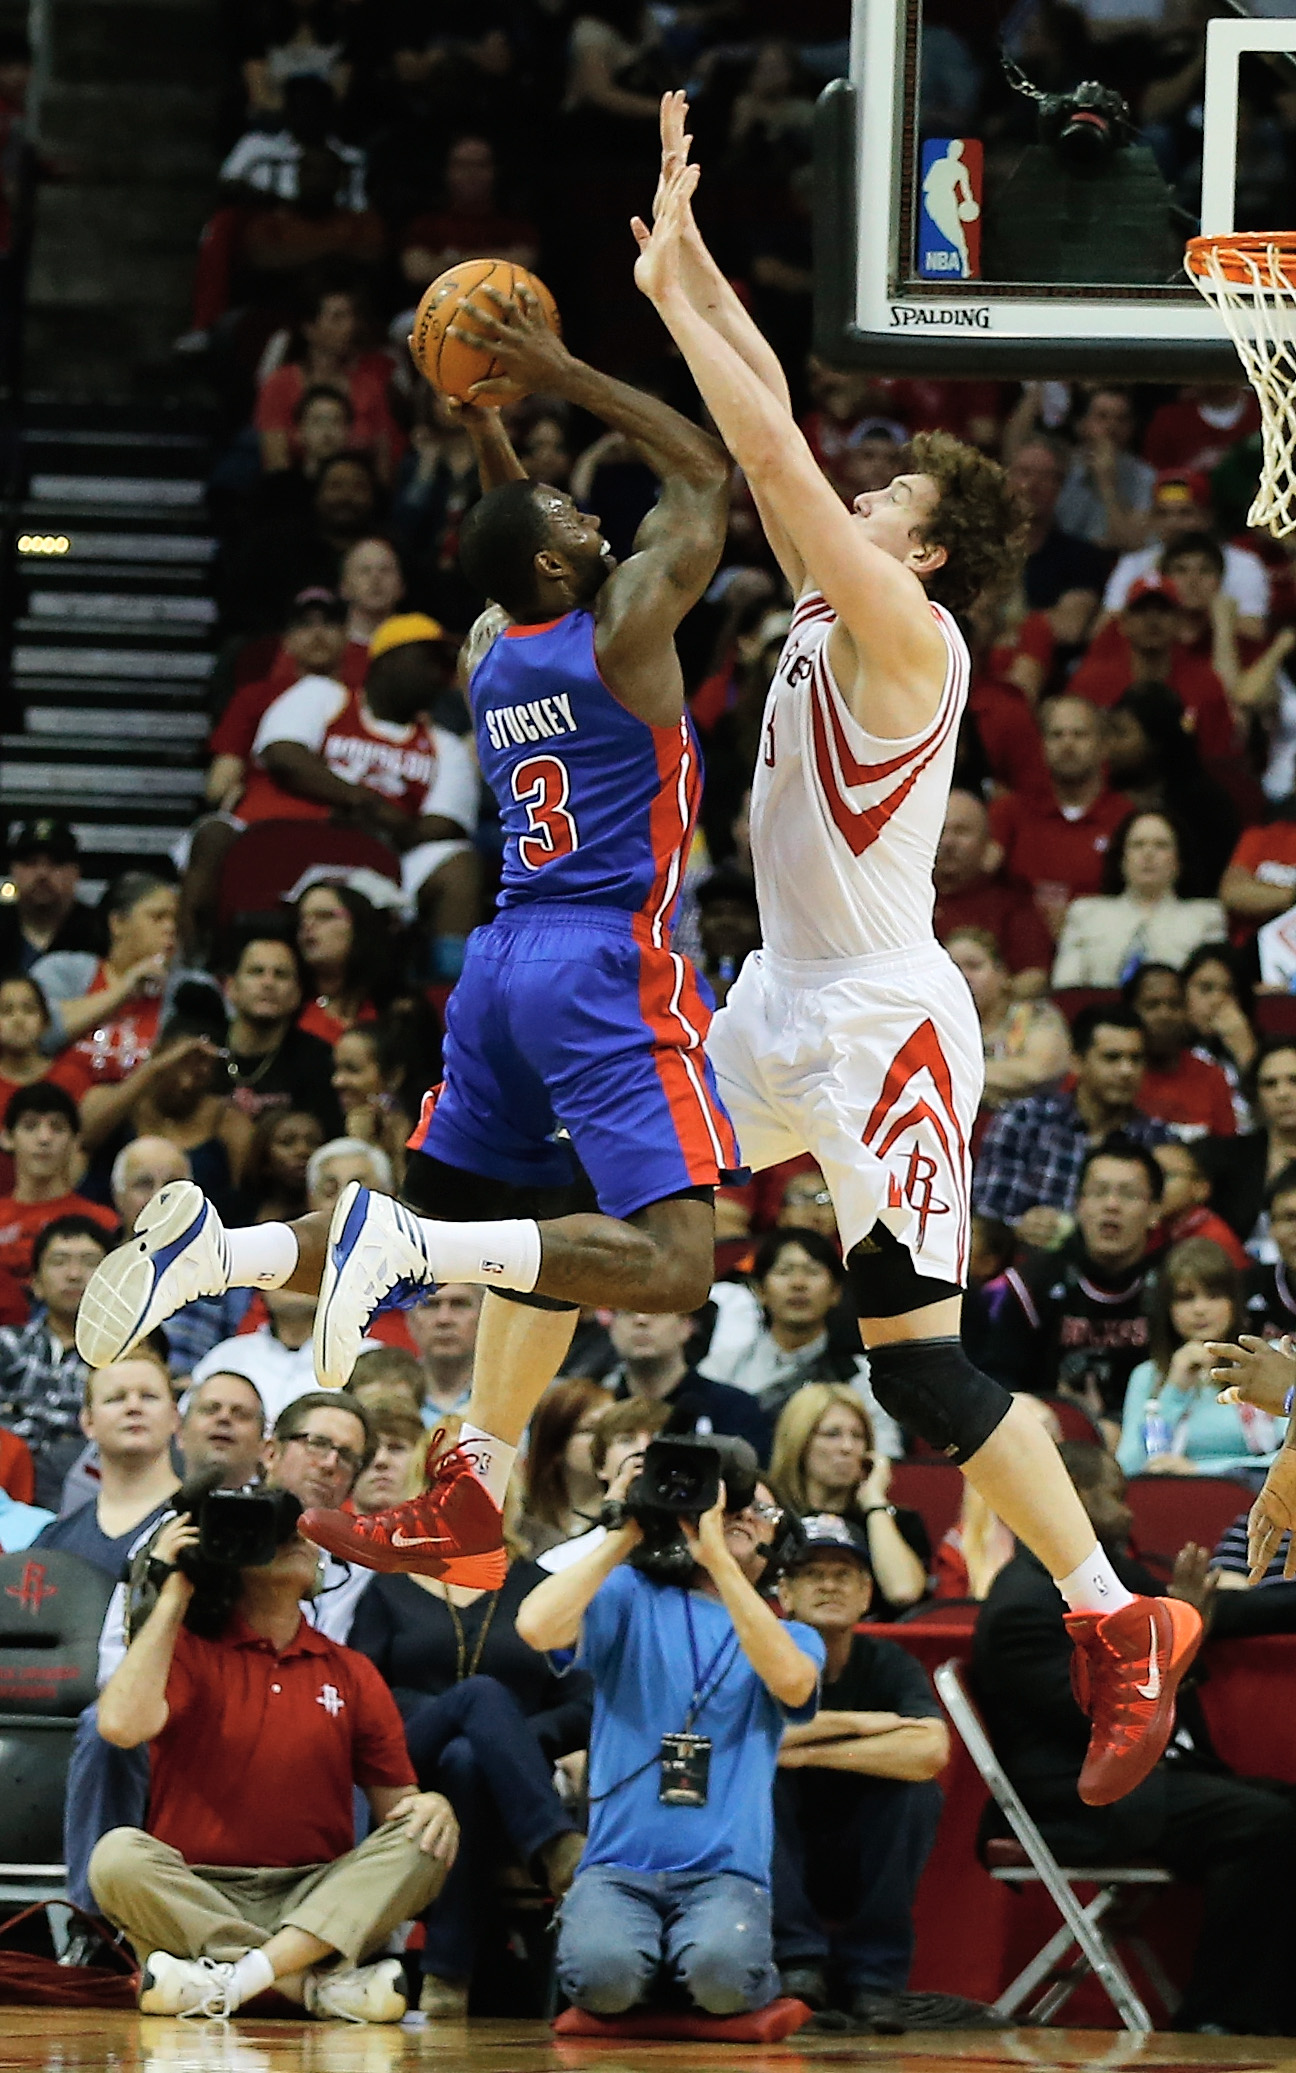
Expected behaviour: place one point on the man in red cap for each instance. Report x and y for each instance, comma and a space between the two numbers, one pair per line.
1141, 646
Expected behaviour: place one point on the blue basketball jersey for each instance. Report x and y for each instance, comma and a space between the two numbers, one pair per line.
597, 806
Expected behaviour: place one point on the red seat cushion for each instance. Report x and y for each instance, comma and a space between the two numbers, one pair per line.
1005, 1853
762, 2026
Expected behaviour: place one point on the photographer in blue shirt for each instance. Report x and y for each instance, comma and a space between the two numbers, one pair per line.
695, 1680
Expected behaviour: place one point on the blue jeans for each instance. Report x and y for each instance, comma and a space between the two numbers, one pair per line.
851, 1857
107, 1788
475, 1744
622, 1932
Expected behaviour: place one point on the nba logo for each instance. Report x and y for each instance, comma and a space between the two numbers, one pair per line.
949, 210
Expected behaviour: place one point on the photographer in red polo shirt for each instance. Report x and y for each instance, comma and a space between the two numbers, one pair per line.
259, 1728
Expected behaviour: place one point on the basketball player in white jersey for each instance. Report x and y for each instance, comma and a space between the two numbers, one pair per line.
852, 1035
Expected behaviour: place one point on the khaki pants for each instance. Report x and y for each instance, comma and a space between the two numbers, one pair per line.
147, 1890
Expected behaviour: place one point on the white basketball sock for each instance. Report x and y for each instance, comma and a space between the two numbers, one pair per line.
492, 1460
504, 1253
1093, 1586
262, 1255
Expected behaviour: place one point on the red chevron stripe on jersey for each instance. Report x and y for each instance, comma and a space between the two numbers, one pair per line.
922, 1053
860, 826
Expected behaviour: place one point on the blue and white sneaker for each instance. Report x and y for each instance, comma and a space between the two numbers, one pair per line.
179, 1251
375, 1261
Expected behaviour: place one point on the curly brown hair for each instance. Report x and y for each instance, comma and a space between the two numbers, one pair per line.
979, 521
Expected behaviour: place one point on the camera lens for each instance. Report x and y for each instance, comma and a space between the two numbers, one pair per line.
1086, 140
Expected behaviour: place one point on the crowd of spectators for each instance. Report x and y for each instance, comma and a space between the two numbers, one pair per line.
1115, 876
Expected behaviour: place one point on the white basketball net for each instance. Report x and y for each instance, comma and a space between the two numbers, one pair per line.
1249, 290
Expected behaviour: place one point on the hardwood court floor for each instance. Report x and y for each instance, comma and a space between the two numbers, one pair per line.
89, 2041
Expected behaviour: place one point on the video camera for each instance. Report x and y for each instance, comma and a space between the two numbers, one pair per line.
680, 1479
237, 1530
240, 1529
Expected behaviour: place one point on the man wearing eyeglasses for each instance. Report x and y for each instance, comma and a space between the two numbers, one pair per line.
693, 1687
317, 1448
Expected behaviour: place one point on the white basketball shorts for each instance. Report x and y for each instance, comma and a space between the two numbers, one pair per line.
874, 1066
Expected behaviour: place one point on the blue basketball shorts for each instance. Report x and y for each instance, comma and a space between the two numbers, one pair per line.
571, 1031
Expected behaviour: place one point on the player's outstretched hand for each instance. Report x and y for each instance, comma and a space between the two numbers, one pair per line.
657, 269
1255, 1371
675, 145
514, 330
1272, 1515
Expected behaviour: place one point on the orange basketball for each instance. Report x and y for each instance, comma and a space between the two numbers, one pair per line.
449, 364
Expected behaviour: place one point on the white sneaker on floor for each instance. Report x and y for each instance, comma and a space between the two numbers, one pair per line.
359, 1993
186, 1986
179, 1251
375, 1250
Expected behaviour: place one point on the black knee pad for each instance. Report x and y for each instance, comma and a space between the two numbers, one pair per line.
930, 1387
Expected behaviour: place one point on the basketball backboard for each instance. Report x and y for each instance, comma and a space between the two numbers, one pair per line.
962, 228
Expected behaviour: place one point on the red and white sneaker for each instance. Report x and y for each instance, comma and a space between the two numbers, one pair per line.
1125, 1673
452, 1530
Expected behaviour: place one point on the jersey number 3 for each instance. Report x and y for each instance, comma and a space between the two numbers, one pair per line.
542, 785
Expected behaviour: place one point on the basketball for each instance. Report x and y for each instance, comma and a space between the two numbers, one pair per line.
448, 363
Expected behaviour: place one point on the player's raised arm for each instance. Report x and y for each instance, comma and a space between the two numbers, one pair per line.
677, 548
879, 600
713, 297
492, 448
711, 293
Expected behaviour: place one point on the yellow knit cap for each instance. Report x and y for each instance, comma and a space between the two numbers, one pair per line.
400, 630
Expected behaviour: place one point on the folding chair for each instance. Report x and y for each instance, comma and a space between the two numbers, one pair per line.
1029, 1861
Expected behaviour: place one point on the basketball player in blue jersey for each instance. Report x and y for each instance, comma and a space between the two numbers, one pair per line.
571, 1154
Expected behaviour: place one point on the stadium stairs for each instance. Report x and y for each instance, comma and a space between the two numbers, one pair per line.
111, 625
130, 114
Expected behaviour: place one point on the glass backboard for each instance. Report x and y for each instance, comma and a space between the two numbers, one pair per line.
1005, 187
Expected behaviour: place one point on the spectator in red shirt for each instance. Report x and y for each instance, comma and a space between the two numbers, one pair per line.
968, 895
469, 225
325, 351
1141, 646
372, 756
1202, 425
1260, 881
1054, 843
40, 1130
24, 1020
260, 1729
1184, 1199
313, 645
1181, 1090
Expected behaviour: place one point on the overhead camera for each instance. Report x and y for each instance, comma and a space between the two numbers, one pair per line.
1085, 127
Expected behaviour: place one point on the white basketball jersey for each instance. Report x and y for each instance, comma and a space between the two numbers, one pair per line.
844, 827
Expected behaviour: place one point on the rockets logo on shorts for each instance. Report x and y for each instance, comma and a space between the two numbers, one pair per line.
914, 1187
